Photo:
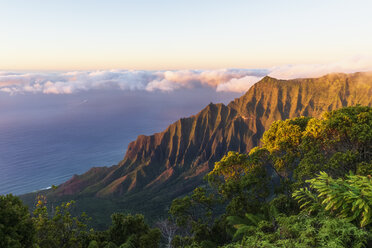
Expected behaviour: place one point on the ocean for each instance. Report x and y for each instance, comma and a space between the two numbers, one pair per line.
46, 139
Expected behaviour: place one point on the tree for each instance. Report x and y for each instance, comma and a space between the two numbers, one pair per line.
16, 227
339, 142
168, 230
132, 230
283, 140
60, 229
240, 181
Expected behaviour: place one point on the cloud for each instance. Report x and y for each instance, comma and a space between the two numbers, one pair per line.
232, 80
238, 84
77, 81
348, 65
163, 85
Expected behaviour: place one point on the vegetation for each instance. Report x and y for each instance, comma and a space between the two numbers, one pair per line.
307, 185
16, 226
59, 229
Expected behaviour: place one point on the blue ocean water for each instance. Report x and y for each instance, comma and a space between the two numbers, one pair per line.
46, 139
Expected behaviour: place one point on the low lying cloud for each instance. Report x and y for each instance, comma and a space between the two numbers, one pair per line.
349, 65
238, 84
227, 80
72, 82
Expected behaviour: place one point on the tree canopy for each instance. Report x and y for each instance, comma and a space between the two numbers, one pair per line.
264, 198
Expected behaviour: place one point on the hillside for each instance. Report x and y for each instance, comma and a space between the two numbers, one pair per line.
171, 163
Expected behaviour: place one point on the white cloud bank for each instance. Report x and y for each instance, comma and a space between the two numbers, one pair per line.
238, 84
72, 82
233, 80
349, 65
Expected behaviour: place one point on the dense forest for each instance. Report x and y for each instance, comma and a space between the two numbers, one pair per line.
308, 184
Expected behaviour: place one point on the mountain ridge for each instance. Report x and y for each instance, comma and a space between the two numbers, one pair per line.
175, 160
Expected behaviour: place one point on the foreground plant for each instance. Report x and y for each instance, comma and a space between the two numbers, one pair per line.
349, 198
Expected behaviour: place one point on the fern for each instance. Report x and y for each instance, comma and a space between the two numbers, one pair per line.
244, 225
349, 198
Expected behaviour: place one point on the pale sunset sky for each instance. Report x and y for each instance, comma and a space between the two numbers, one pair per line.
191, 34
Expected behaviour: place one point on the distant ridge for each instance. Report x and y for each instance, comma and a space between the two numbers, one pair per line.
168, 164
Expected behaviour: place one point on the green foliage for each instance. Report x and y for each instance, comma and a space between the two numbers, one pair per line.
364, 168
58, 228
253, 192
123, 226
150, 239
283, 141
243, 225
231, 167
246, 190
132, 231
93, 244
282, 204
238, 193
61, 229
110, 245
307, 231
180, 241
304, 231
338, 143
194, 215
349, 198
189, 211
16, 226
127, 244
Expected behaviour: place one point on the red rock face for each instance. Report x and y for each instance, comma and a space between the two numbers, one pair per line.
188, 148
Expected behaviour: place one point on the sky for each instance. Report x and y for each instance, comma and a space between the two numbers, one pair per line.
46, 35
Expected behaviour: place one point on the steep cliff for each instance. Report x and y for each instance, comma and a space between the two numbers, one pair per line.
174, 161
